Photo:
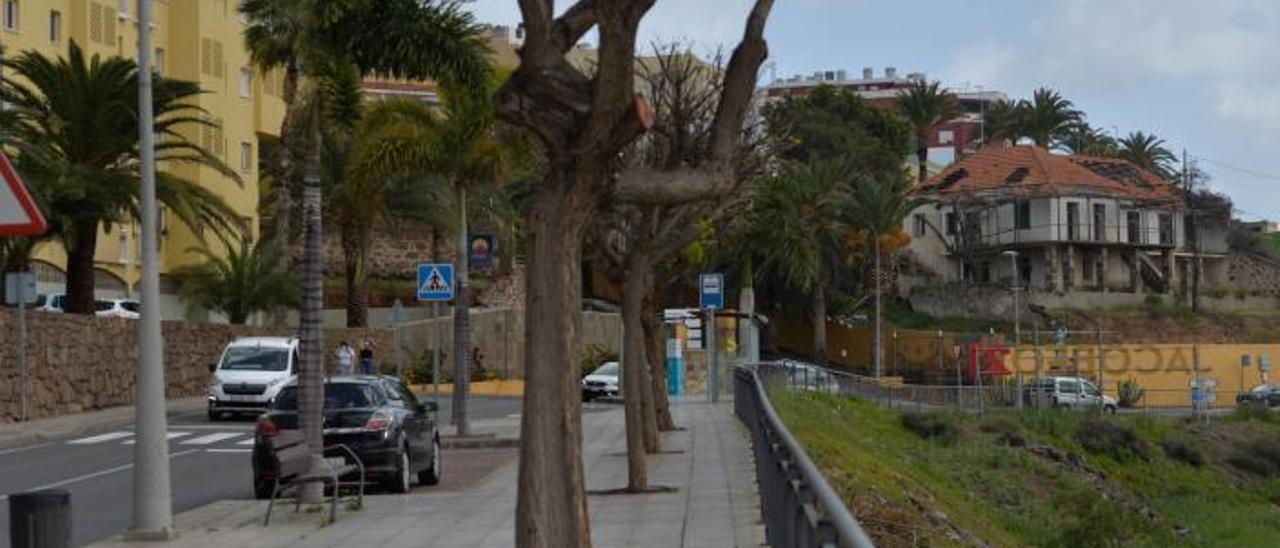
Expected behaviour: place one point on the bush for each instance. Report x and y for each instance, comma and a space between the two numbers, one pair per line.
1260, 458
1007, 431
1183, 451
1130, 392
931, 426
1255, 412
1102, 437
592, 356
1153, 300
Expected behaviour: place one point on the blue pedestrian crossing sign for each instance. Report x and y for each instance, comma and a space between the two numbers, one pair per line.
435, 282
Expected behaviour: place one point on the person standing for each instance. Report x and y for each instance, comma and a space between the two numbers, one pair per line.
346, 359
366, 358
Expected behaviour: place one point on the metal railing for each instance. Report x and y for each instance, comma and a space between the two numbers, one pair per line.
800, 508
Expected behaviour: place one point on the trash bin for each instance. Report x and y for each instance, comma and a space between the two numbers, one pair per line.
40, 519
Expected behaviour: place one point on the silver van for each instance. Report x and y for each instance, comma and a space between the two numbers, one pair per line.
1069, 393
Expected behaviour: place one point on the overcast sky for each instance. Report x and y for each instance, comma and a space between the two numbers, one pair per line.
1201, 74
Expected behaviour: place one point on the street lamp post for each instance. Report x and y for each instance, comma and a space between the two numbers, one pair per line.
152, 507
1017, 313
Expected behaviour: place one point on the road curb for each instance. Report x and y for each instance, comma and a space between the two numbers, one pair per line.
478, 443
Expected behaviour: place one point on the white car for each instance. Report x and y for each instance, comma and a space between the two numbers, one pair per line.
250, 373
601, 383
1070, 393
53, 302
117, 308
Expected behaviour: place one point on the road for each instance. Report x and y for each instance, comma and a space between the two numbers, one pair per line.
210, 462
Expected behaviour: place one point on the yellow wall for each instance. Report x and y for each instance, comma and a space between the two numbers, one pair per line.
201, 41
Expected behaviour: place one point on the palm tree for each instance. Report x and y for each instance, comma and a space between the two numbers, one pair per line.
925, 105
878, 205
250, 278
1147, 152
1084, 139
74, 120
796, 218
1047, 118
1003, 121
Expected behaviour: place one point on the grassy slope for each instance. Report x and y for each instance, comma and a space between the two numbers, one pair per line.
1007, 496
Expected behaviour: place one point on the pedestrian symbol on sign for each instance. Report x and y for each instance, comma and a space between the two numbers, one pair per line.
435, 282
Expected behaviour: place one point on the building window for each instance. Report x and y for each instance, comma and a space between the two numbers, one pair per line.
55, 26
951, 223
246, 157
1166, 229
124, 245
1134, 220
159, 61
11, 15
946, 137
918, 227
246, 83
1022, 215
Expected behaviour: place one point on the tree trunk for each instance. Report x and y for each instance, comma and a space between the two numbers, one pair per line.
922, 157
80, 274
877, 335
633, 366
461, 321
657, 365
353, 260
284, 162
820, 320
551, 502
310, 378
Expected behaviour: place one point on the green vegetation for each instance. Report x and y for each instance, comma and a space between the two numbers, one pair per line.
1045, 478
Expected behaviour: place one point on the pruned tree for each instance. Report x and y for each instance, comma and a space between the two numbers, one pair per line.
584, 123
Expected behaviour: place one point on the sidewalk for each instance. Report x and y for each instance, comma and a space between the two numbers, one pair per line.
16, 434
715, 502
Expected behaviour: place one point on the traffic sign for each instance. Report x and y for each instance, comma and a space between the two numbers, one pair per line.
435, 282
1204, 383
480, 251
18, 213
1264, 364
1203, 396
712, 291
19, 283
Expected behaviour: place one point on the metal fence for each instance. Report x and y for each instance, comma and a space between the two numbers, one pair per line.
800, 508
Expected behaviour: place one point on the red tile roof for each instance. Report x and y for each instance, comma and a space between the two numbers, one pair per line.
1028, 171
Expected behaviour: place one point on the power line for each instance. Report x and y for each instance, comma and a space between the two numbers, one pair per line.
1245, 171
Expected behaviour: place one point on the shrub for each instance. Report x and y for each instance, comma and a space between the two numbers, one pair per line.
1183, 451
1153, 301
931, 426
592, 356
1130, 392
1255, 413
1007, 431
1261, 457
420, 370
1103, 437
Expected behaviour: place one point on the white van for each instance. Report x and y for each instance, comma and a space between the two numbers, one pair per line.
250, 373
1070, 393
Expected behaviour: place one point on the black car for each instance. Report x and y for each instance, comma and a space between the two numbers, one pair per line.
394, 435
1264, 394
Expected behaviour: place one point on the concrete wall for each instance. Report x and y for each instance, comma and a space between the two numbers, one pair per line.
996, 303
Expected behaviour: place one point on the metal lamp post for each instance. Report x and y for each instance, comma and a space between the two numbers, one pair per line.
1017, 313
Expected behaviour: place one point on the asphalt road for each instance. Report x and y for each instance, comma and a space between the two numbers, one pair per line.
210, 462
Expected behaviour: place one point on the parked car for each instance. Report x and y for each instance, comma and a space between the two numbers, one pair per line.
53, 302
393, 434
117, 308
1070, 393
804, 376
1267, 394
601, 383
250, 374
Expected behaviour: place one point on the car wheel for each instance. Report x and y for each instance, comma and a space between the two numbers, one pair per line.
1109, 409
432, 475
262, 488
586, 398
214, 416
399, 483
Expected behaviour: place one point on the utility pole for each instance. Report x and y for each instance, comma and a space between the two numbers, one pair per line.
1017, 310
152, 510
461, 321
1195, 225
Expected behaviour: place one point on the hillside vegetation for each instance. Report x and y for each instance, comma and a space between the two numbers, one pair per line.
1045, 478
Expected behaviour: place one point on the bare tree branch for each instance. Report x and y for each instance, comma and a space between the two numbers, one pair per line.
573, 24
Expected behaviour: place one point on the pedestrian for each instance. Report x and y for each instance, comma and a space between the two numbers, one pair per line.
346, 359
366, 358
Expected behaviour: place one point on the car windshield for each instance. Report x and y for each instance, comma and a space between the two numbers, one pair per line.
131, 306
336, 396
607, 370
1264, 388
103, 305
254, 358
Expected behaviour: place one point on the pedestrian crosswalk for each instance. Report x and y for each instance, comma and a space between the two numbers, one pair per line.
239, 441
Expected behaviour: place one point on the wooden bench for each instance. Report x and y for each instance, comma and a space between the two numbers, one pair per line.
292, 460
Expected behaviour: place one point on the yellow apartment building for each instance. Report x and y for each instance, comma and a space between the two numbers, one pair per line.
194, 40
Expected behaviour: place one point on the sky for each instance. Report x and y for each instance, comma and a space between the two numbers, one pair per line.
1202, 75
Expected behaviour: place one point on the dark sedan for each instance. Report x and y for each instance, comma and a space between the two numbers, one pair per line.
394, 435
1263, 394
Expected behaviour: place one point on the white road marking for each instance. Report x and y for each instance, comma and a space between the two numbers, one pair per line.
92, 475
167, 436
101, 438
228, 450
212, 438
246, 442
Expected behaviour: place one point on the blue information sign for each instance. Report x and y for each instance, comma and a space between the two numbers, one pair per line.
435, 282
712, 291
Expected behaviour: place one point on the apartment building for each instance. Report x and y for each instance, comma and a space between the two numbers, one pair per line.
1064, 224
195, 40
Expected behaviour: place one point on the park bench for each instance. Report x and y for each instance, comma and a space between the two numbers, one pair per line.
291, 458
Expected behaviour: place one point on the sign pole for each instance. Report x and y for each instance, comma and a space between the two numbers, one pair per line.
713, 362
435, 352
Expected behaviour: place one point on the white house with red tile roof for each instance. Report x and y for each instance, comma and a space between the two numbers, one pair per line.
1071, 223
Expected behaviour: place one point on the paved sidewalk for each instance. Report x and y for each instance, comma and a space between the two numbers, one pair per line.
16, 434
715, 502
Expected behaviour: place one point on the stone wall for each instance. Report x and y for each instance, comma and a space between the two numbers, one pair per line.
1254, 273
80, 363
396, 250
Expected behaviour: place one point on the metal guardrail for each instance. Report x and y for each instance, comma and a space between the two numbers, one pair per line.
800, 508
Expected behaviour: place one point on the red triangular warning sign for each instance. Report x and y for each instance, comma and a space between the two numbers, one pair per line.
18, 213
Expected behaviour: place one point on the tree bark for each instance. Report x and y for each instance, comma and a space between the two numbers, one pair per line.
877, 335
80, 274
310, 378
461, 321
820, 320
922, 157
284, 162
353, 259
551, 502
658, 366
633, 368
